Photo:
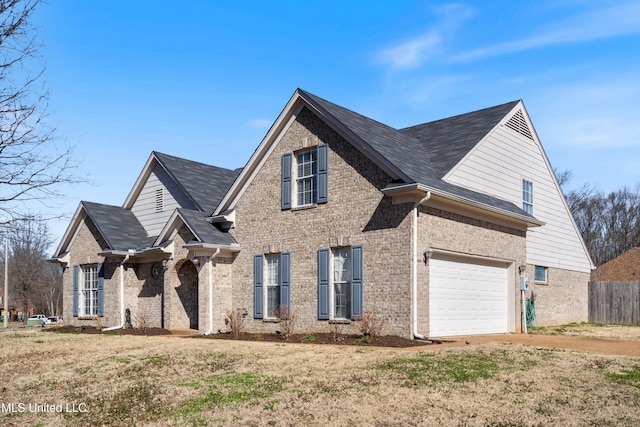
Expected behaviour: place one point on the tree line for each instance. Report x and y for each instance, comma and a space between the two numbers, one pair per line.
609, 222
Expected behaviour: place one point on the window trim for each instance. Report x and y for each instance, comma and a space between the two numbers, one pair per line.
546, 274
527, 196
274, 258
332, 288
312, 177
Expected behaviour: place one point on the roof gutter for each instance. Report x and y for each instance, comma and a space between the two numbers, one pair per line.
400, 190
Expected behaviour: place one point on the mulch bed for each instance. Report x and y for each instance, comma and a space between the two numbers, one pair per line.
325, 338
318, 338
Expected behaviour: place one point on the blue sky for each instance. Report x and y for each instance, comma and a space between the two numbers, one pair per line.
204, 80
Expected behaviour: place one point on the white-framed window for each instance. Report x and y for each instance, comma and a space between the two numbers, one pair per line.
272, 283
527, 196
88, 290
307, 177
341, 287
541, 274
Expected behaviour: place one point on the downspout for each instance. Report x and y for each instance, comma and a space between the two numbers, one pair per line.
122, 317
217, 252
414, 266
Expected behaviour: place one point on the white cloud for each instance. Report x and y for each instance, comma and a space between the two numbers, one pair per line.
415, 51
618, 20
260, 123
592, 115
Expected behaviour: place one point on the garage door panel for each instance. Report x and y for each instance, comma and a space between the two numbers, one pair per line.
467, 297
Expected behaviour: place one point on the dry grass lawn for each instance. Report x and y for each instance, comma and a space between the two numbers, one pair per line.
151, 381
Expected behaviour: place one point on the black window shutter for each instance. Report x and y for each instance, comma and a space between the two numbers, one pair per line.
258, 296
101, 290
286, 182
76, 278
323, 284
356, 282
323, 173
285, 279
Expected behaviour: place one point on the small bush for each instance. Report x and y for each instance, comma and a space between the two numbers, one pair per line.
371, 324
287, 318
336, 331
235, 321
142, 319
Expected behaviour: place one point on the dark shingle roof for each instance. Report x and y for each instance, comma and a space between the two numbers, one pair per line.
205, 184
425, 153
204, 231
118, 226
445, 142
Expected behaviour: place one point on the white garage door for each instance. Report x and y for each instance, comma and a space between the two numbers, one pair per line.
467, 297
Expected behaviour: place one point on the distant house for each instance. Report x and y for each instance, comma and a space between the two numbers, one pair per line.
335, 215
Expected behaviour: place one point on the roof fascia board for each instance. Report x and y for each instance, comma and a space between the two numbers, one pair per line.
461, 203
261, 154
505, 118
72, 230
178, 183
142, 179
536, 139
386, 165
276, 132
171, 228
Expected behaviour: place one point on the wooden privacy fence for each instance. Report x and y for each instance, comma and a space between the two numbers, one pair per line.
614, 302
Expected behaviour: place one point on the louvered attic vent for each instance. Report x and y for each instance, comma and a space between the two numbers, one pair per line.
519, 124
159, 199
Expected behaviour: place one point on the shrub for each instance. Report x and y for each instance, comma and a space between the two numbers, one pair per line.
142, 319
287, 318
371, 324
235, 321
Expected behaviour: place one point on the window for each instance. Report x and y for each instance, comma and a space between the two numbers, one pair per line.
273, 284
271, 271
341, 261
541, 274
305, 175
527, 196
340, 283
88, 290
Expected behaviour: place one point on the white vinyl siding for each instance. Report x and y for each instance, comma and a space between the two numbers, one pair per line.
497, 167
146, 206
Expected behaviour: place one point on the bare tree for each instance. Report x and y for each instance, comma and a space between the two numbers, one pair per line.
32, 163
609, 223
28, 269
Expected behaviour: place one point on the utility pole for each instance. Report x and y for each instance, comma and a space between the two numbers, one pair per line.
6, 282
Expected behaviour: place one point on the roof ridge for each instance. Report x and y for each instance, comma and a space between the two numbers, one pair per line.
481, 110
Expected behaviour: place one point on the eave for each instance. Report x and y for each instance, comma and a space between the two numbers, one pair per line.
414, 192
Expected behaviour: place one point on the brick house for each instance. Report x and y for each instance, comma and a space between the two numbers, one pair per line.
335, 215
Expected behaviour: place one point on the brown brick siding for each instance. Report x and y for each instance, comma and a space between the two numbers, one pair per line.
439, 229
356, 214
564, 299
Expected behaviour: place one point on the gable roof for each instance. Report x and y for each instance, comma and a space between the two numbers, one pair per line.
205, 185
191, 175
445, 142
423, 154
119, 227
204, 232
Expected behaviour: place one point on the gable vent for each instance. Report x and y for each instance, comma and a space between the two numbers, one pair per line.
519, 124
159, 199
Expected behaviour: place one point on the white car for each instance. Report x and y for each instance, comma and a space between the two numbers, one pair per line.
53, 320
